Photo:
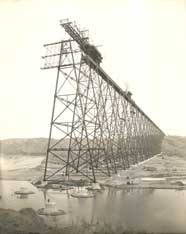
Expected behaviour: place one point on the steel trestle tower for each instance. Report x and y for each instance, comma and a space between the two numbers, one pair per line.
98, 127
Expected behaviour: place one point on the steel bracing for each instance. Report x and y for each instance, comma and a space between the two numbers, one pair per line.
98, 127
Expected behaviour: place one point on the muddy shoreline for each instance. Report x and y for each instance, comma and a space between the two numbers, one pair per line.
159, 172
26, 221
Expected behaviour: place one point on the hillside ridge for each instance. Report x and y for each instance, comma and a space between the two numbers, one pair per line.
172, 145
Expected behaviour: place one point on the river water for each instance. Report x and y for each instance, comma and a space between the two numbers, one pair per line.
142, 210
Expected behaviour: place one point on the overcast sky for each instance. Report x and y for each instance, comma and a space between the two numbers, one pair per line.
143, 45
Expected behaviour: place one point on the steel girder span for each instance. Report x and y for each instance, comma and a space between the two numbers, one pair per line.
97, 127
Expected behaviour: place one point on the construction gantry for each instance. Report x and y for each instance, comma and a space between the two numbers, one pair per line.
98, 127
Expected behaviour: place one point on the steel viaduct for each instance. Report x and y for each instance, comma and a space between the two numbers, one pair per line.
96, 128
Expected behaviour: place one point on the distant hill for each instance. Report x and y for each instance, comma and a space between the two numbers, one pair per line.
172, 145
32, 146
26, 146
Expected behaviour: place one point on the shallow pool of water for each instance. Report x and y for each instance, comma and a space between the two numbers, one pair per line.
137, 209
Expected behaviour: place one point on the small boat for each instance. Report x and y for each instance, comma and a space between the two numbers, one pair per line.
60, 187
94, 187
23, 191
153, 179
63, 187
43, 184
83, 193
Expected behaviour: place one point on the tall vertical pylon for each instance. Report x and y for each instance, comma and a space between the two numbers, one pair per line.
97, 127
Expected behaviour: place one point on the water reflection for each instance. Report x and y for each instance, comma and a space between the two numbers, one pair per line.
130, 191
138, 209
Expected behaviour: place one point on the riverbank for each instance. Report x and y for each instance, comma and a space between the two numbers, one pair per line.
21, 167
26, 221
159, 172
171, 168
27, 174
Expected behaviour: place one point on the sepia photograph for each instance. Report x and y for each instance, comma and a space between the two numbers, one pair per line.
92, 126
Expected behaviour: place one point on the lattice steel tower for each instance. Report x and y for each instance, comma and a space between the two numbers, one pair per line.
98, 127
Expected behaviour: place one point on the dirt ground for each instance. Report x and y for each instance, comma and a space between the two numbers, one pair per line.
171, 168
22, 174
12, 221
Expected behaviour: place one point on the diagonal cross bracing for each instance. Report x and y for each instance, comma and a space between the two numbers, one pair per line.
98, 127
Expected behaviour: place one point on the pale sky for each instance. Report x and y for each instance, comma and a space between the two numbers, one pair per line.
143, 45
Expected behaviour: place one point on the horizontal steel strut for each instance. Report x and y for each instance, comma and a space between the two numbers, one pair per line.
96, 128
